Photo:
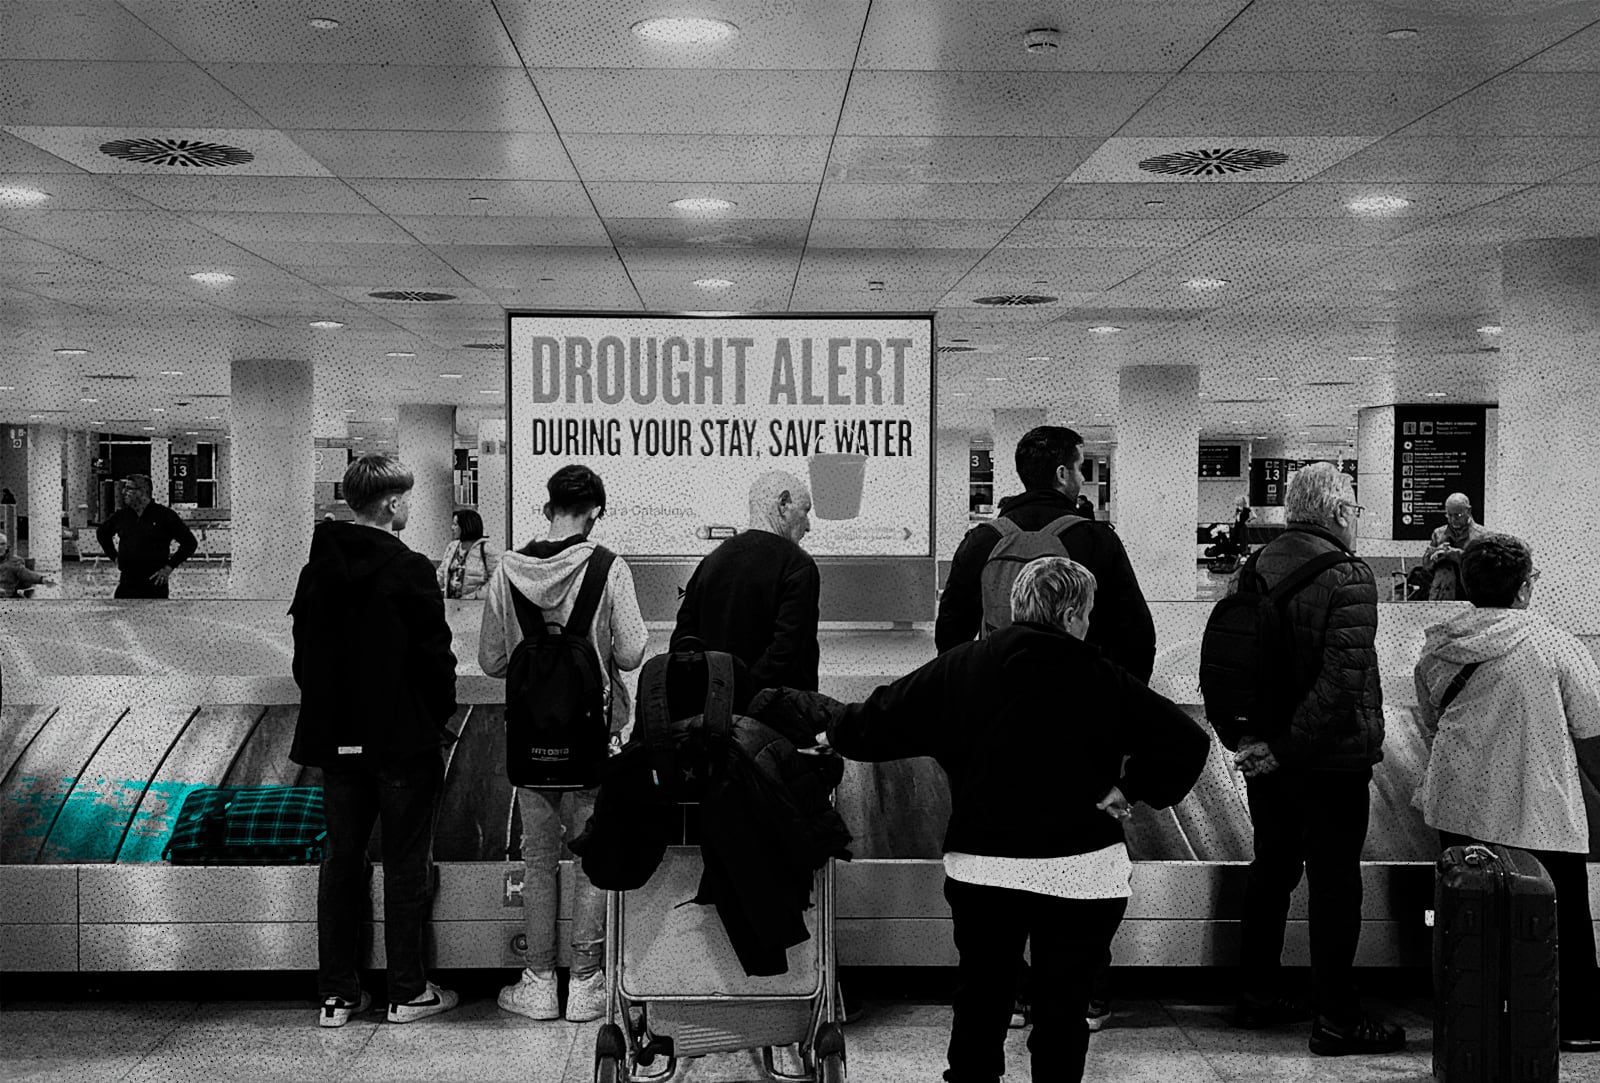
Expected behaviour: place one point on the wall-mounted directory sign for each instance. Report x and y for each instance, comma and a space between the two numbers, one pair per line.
181, 481
679, 414
1269, 478
1219, 460
1438, 450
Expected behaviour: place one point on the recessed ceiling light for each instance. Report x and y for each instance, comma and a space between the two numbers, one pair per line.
1378, 204
100, 422
349, 409
1361, 357
1302, 432
158, 410
1490, 329
88, 400
1040, 357
328, 324
324, 24
171, 372
1206, 283
399, 353
386, 419
1403, 33
191, 432
148, 428
960, 394
712, 283
1105, 329
22, 197
995, 379
1437, 394
489, 390
213, 417
70, 351
684, 30
449, 375
7, 387
1267, 379
213, 278
702, 204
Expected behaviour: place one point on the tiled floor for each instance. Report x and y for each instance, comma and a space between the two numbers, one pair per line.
1160, 1040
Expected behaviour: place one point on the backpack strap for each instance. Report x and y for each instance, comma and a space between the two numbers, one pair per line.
530, 618
719, 692
1457, 684
1303, 575
1062, 525
595, 574
1005, 527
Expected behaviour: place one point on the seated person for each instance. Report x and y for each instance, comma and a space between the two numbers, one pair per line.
1038, 792
1508, 748
1443, 555
17, 580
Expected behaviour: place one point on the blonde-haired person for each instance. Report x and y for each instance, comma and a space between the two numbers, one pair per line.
1509, 748
469, 560
1033, 727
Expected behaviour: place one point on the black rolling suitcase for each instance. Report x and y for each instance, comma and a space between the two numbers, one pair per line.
1494, 968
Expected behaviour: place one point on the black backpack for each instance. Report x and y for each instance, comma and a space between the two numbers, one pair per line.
558, 724
1250, 673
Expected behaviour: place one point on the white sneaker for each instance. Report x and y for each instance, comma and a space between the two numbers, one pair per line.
336, 1011
586, 998
432, 1001
534, 995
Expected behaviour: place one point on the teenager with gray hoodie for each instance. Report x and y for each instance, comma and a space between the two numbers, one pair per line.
1509, 750
549, 573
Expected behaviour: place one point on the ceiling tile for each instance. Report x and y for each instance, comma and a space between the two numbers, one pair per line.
652, 200
770, 36
1200, 198
1053, 232
249, 230
266, 153
1580, 52
920, 160
1042, 104
19, 156
466, 155
734, 158
823, 297
492, 267
1096, 35
692, 263
1427, 200
415, 32
390, 97
420, 271
712, 234
256, 195
436, 229
1349, 35
969, 201
915, 234
1484, 159
43, 93
711, 102
849, 269
455, 198
68, 192
1056, 270
1316, 103
1535, 104
79, 30
294, 254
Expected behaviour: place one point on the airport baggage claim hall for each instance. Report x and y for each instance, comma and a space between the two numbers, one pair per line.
869, 242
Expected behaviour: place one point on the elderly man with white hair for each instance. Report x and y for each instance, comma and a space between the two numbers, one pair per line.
1443, 555
15, 576
755, 595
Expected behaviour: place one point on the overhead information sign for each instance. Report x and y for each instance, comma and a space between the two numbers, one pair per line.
1438, 450
680, 414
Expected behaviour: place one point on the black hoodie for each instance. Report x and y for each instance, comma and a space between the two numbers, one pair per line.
371, 650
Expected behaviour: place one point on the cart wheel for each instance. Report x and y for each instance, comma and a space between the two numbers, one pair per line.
609, 1049
607, 1070
829, 1051
832, 1070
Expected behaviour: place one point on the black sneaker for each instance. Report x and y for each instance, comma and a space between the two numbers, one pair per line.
1580, 1045
1256, 1012
1363, 1036
1097, 1013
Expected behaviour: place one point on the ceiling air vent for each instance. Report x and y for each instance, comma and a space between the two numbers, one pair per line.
1213, 162
184, 152
958, 349
483, 345
1014, 300
411, 295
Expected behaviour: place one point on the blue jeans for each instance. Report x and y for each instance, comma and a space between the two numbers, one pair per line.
549, 818
404, 796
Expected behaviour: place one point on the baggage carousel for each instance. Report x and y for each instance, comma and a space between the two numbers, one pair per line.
104, 731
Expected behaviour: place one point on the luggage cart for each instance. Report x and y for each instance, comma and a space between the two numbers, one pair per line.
675, 988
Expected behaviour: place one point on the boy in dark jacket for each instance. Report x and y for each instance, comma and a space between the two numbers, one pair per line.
1039, 791
377, 684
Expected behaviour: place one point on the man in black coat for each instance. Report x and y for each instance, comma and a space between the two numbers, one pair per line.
377, 684
756, 595
138, 539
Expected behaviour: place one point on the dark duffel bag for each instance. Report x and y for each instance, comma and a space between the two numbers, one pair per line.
249, 825
1494, 968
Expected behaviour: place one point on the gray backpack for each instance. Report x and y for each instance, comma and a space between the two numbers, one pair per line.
1015, 548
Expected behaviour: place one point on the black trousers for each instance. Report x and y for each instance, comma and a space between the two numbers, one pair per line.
1577, 975
404, 796
1316, 822
139, 586
1070, 937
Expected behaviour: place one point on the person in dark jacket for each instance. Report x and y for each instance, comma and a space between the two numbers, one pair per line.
1307, 786
1040, 784
755, 595
377, 684
139, 540
1049, 463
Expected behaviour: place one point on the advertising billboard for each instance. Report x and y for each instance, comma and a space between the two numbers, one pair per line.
680, 413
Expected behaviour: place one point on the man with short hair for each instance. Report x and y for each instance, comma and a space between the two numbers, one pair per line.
1443, 555
377, 684
138, 539
1307, 785
550, 574
756, 594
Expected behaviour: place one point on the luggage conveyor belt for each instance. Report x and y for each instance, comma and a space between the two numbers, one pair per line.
88, 796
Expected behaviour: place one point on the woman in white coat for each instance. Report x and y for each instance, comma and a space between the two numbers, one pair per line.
469, 560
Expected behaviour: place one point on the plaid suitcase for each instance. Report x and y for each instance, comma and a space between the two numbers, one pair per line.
254, 825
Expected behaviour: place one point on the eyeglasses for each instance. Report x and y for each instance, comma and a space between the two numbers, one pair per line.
1357, 509
1533, 576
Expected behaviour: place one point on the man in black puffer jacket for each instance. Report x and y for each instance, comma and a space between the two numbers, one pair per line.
1308, 784
1033, 728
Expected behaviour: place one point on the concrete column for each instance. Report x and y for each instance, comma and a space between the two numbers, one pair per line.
1547, 481
79, 459
271, 476
1375, 485
45, 504
952, 467
224, 472
160, 449
1158, 446
492, 482
427, 443
1009, 427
